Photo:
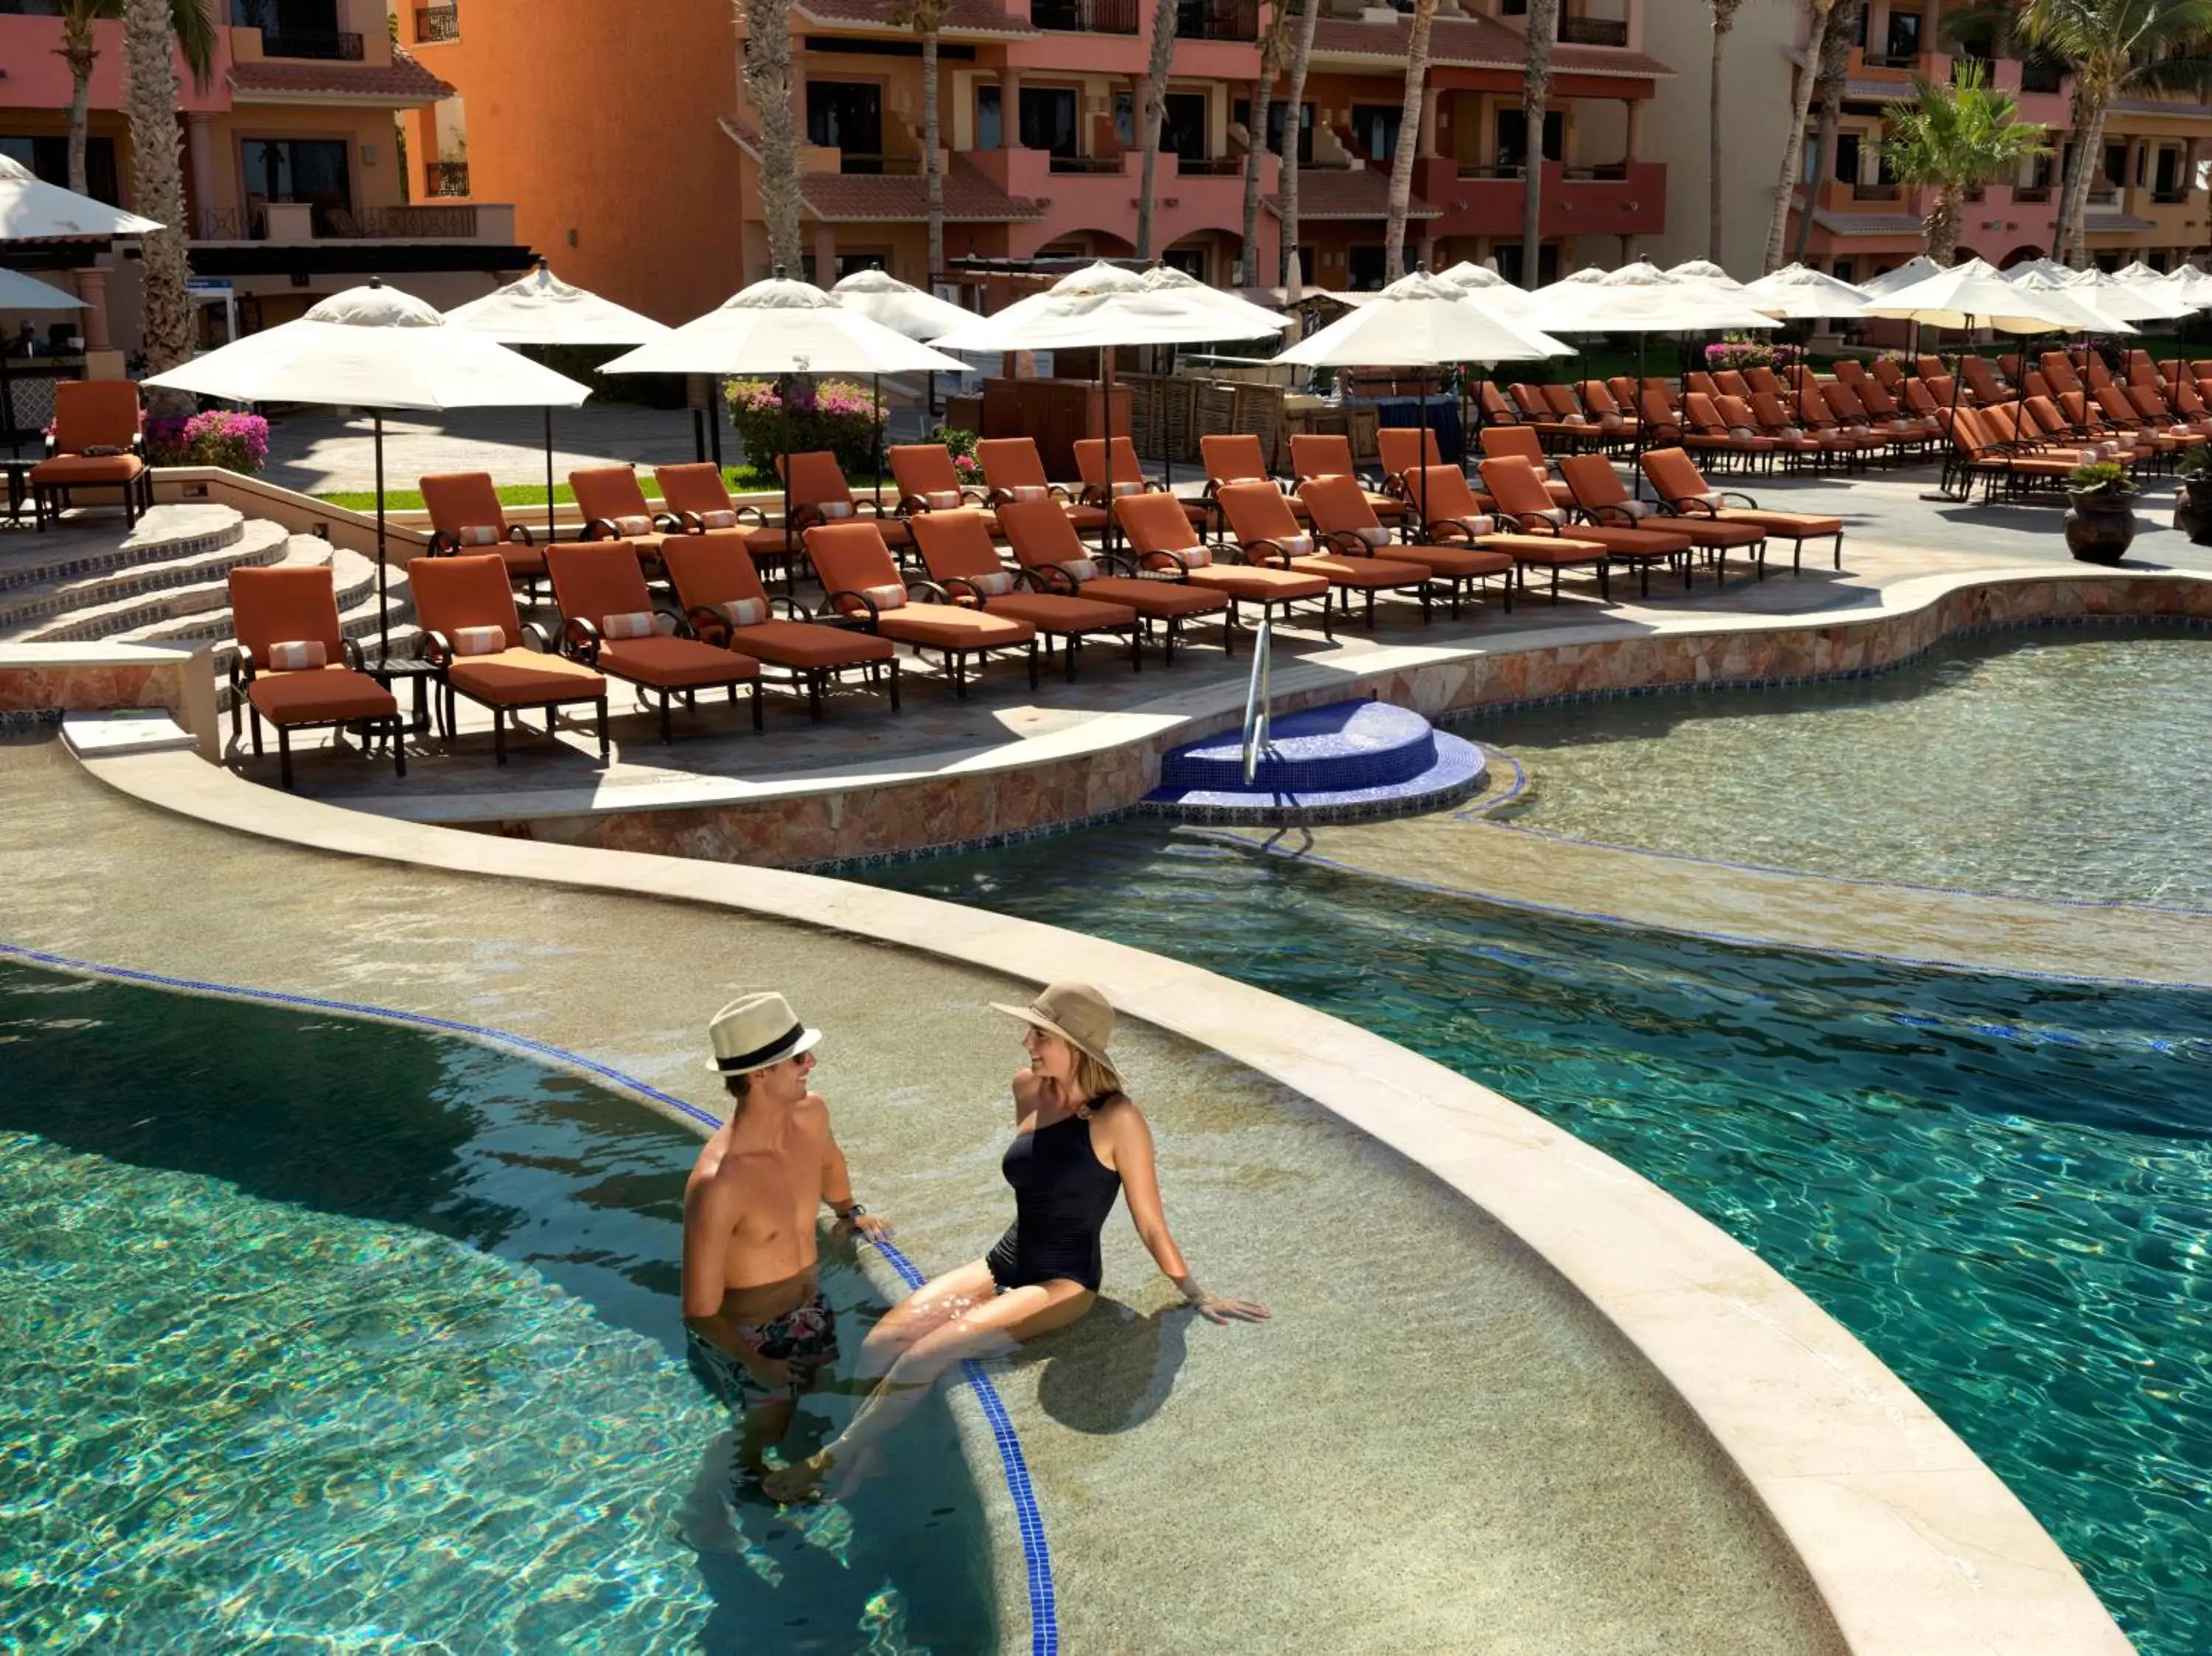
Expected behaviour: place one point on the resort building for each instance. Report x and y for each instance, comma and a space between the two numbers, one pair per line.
2147, 200
1036, 101
296, 181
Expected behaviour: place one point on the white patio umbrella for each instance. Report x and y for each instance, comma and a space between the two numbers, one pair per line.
1251, 321
374, 348
1421, 321
1798, 292
1643, 300
1703, 270
541, 309
2028, 267
1918, 268
2137, 271
1098, 307
2130, 301
903, 308
22, 292
778, 327
2083, 309
1489, 290
2190, 285
31, 210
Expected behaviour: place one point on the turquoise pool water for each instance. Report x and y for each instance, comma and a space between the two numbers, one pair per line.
2003, 1187
317, 1334
2056, 762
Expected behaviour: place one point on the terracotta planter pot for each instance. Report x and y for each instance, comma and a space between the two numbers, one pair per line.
2192, 511
2100, 527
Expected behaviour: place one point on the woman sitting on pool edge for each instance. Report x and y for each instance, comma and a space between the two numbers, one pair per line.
1078, 1141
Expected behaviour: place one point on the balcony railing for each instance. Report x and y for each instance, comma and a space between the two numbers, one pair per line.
228, 224
1600, 172
2031, 194
1085, 16
446, 178
1086, 164
334, 45
449, 223
1489, 170
1218, 20
2170, 197
2040, 77
2104, 195
1593, 31
436, 23
875, 165
1874, 192
1887, 60
1210, 166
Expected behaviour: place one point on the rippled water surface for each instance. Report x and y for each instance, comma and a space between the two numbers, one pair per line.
2048, 762
333, 1336
2004, 1188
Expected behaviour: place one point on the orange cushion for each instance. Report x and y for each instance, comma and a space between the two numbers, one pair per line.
524, 678
1258, 586
944, 625
1450, 561
318, 697
522, 559
69, 469
809, 644
1052, 613
675, 663
1545, 549
1155, 598
1363, 572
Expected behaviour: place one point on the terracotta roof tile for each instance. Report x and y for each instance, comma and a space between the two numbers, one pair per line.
1337, 192
403, 79
970, 198
1473, 42
961, 17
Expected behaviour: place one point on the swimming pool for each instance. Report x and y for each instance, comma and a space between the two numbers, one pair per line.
314, 1329
2000, 1186
2065, 763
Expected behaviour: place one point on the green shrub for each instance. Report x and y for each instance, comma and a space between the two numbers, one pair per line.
835, 415
2101, 477
2196, 463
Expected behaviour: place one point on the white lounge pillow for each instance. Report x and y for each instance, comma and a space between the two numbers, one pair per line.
631, 623
478, 534
298, 656
890, 596
995, 585
629, 527
1373, 534
725, 519
479, 641
942, 499
1080, 570
744, 612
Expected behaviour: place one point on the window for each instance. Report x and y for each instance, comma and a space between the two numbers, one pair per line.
1903, 36
1844, 268
1191, 261
1047, 117
847, 115
1859, 28
1367, 268
1183, 125
1278, 114
313, 170
990, 119
1847, 158
1513, 137
1508, 254
2166, 183
48, 157
2116, 163
1375, 130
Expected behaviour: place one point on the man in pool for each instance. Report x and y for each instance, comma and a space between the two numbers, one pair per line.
760, 1330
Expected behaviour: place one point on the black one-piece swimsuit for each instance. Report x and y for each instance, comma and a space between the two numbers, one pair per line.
1062, 1194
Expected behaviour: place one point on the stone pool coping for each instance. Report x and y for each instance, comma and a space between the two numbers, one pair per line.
1913, 1544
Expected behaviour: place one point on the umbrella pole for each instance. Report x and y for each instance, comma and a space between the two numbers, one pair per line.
876, 455
383, 578
7, 409
548, 474
1636, 459
713, 415
1106, 422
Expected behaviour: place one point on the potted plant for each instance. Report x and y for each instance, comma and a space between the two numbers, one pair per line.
2193, 510
2101, 525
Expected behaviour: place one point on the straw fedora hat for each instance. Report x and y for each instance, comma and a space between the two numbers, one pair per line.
756, 1030
1077, 1014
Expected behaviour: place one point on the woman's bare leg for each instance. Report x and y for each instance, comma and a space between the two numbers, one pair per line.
935, 1303
988, 1329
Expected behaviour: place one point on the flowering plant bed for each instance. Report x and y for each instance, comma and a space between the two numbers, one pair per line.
835, 415
217, 437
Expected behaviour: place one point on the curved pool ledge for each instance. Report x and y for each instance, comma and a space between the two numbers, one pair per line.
1765, 908
1911, 1543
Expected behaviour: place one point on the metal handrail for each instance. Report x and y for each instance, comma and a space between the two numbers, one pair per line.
1257, 695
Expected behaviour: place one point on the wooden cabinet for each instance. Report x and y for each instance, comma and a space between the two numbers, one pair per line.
1056, 413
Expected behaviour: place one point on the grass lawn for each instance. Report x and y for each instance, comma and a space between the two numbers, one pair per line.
741, 480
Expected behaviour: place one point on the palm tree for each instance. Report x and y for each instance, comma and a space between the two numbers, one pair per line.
1273, 45
1793, 153
149, 28
1723, 13
1409, 142
1835, 76
925, 18
1294, 124
188, 19
1153, 113
2116, 48
766, 75
1956, 138
1535, 93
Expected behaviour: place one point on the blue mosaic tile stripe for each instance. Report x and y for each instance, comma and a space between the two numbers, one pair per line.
1036, 1556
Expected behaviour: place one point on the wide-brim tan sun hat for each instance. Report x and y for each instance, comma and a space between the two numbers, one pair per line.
1077, 1014
756, 1030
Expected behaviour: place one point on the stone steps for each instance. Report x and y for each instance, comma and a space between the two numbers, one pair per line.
63, 609
189, 609
177, 531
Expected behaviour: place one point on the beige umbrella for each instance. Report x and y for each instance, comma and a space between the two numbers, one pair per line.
32, 210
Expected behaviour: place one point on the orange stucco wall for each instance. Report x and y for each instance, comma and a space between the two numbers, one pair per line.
599, 123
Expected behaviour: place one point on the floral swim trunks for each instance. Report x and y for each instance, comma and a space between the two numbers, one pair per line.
805, 1337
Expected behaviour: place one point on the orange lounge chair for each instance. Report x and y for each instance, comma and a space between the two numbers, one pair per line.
725, 605
1046, 544
614, 508
1128, 475
473, 635
1674, 477
1163, 541
1349, 564
860, 581
961, 557
820, 494
466, 516
1518, 489
928, 481
295, 667
1981, 379
1976, 452
702, 503
1235, 458
1889, 373
1014, 470
1497, 442
1345, 520
1406, 449
1602, 501
1789, 443
1496, 409
1454, 518
1323, 454
607, 622
94, 444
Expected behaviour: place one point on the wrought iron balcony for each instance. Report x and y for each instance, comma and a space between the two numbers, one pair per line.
1085, 16
1218, 20
437, 23
1109, 164
1576, 31
334, 45
447, 177
2041, 76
